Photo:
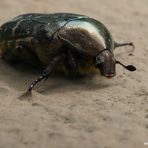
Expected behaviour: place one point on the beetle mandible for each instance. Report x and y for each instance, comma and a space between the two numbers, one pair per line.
68, 42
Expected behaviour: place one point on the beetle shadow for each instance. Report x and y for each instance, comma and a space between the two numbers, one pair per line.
63, 84
16, 75
19, 76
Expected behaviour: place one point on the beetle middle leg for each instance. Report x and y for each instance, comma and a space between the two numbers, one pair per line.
49, 69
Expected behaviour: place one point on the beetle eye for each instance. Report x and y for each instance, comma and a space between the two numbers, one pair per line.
99, 60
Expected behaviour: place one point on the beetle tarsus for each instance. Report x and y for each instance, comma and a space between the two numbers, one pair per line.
46, 72
35, 82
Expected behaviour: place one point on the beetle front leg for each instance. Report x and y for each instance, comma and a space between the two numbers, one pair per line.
49, 69
72, 64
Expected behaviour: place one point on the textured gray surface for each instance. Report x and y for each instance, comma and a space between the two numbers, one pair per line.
91, 113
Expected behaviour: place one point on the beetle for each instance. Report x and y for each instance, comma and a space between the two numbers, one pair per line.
73, 43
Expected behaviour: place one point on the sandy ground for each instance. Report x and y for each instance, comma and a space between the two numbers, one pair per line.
93, 112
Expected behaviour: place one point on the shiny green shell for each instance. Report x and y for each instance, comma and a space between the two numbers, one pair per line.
36, 32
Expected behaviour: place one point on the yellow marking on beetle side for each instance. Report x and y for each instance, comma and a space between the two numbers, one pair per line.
28, 31
17, 18
1, 53
3, 47
87, 70
37, 17
14, 29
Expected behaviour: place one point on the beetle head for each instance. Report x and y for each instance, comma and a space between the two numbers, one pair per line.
106, 63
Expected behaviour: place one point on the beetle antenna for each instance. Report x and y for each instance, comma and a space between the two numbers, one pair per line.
124, 44
128, 67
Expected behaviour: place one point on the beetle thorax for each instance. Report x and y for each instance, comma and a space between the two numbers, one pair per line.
83, 34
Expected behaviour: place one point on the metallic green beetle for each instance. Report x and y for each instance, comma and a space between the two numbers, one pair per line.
73, 43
